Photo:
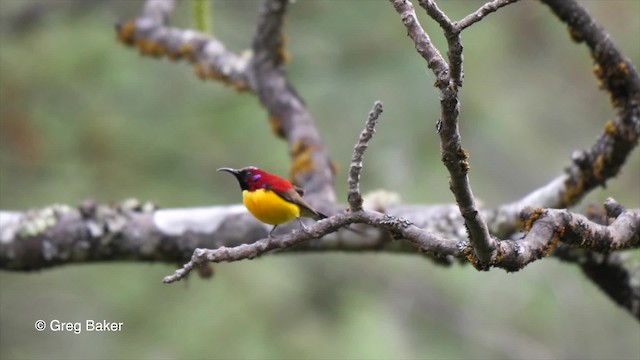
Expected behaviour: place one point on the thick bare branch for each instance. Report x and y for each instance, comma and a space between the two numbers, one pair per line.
210, 58
258, 71
593, 167
354, 197
547, 228
590, 168
136, 231
311, 167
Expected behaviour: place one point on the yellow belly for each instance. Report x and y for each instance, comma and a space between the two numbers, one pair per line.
268, 207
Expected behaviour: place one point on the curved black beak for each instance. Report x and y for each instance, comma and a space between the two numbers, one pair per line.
238, 175
229, 170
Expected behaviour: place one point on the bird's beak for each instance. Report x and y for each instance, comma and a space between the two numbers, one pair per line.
230, 170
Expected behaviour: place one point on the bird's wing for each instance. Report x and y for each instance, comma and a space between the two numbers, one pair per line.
293, 196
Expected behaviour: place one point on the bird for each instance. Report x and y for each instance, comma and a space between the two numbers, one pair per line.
272, 199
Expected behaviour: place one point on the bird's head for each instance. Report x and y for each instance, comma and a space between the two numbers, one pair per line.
250, 178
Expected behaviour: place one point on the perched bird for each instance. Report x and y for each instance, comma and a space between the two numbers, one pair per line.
272, 199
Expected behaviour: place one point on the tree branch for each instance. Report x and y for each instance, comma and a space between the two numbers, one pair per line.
589, 168
402, 228
453, 155
311, 166
260, 73
59, 234
422, 42
354, 197
479, 14
593, 167
451, 33
210, 58
603, 161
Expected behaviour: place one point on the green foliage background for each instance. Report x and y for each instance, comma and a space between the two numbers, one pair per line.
82, 116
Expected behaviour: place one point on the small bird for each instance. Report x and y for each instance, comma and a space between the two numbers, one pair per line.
272, 199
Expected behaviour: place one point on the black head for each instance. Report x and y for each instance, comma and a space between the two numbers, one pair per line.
245, 176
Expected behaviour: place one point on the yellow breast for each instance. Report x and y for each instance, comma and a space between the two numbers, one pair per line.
268, 207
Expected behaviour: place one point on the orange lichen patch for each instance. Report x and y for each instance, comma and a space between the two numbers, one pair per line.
471, 257
276, 125
573, 191
186, 50
623, 68
610, 128
301, 154
149, 47
125, 32
203, 71
334, 166
597, 70
157, 50
576, 35
555, 239
219, 76
497, 258
239, 85
282, 56
535, 215
174, 55
598, 165
463, 155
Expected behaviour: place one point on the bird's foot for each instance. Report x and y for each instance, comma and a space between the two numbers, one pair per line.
304, 227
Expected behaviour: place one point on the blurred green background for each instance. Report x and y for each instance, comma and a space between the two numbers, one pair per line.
83, 116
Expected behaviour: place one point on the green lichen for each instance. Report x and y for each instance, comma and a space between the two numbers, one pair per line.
37, 221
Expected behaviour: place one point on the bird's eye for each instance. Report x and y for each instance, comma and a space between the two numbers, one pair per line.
249, 173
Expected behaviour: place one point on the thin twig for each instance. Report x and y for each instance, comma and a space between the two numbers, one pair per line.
423, 43
354, 197
438, 15
403, 229
479, 14
453, 155
454, 42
